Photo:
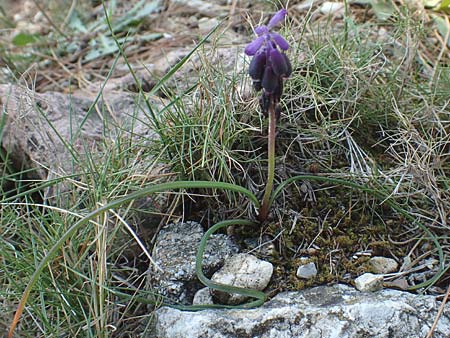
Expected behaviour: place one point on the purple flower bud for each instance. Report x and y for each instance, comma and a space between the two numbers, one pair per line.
256, 68
278, 111
269, 80
288, 64
260, 30
278, 17
278, 91
264, 102
280, 41
254, 46
278, 63
270, 64
257, 85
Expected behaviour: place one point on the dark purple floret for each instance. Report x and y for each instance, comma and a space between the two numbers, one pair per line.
257, 65
269, 80
288, 64
270, 65
278, 63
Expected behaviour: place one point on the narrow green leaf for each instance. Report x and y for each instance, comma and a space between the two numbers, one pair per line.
445, 6
438, 5
149, 37
23, 39
151, 189
76, 24
431, 3
443, 26
383, 9
136, 15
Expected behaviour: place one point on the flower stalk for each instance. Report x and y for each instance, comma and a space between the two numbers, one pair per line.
265, 203
268, 68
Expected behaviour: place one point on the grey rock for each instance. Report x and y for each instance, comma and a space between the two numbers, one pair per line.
242, 270
205, 24
43, 131
307, 271
37, 125
324, 311
174, 253
383, 265
230, 60
206, 8
369, 282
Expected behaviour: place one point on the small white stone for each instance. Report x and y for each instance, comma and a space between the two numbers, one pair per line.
406, 263
18, 17
430, 263
307, 271
202, 297
331, 8
242, 270
369, 282
383, 265
307, 4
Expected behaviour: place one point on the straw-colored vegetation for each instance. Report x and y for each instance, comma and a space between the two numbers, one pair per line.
365, 117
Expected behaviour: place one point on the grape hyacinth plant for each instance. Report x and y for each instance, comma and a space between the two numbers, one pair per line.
268, 69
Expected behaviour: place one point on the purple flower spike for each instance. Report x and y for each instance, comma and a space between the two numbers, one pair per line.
278, 62
254, 46
270, 80
270, 65
257, 65
288, 65
260, 30
280, 41
278, 17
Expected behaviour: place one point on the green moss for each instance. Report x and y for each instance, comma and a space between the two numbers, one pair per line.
337, 236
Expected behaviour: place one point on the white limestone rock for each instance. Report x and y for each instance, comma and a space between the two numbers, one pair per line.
242, 270
324, 311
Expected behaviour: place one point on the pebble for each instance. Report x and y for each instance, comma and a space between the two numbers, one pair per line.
305, 5
203, 297
383, 265
307, 271
242, 270
369, 282
332, 8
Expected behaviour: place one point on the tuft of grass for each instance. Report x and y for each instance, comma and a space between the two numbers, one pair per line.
367, 104
206, 130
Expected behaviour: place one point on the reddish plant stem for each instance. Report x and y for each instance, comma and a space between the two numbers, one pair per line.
264, 209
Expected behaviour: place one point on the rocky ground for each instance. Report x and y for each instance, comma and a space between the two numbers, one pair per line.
318, 237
